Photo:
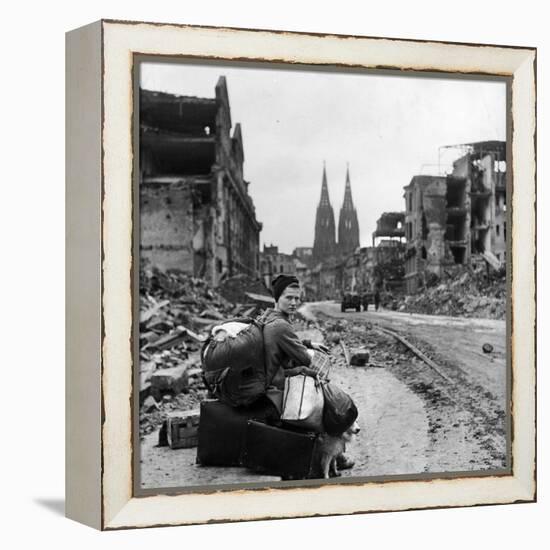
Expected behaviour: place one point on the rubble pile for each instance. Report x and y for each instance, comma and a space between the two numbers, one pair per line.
176, 312
237, 288
467, 293
188, 295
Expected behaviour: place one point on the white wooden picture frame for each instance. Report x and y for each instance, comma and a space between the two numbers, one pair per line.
100, 260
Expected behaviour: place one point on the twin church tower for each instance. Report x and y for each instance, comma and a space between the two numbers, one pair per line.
324, 244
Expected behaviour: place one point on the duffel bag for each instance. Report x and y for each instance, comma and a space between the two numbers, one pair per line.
233, 362
339, 411
303, 402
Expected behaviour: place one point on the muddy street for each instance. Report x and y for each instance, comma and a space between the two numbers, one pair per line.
465, 408
412, 419
457, 340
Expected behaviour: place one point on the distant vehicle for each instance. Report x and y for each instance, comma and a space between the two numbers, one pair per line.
366, 299
351, 300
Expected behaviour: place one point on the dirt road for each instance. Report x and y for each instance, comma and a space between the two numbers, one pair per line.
466, 411
412, 420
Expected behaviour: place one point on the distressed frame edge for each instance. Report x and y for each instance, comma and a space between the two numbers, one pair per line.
524, 488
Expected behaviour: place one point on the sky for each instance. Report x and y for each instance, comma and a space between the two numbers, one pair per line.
388, 128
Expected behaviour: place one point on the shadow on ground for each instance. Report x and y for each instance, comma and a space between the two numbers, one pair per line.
55, 505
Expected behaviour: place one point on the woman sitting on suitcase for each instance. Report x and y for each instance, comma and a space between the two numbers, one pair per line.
285, 354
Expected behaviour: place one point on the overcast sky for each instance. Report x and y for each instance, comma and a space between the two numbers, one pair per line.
388, 128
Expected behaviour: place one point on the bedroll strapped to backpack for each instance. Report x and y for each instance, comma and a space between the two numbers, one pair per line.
233, 361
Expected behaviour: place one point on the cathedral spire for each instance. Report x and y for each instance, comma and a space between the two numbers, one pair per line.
324, 244
348, 225
348, 199
325, 199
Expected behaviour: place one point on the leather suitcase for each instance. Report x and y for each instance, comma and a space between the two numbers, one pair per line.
277, 451
222, 431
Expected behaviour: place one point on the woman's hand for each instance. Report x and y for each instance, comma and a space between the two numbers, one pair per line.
319, 347
306, 371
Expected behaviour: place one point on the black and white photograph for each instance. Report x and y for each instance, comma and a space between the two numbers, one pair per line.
322, 275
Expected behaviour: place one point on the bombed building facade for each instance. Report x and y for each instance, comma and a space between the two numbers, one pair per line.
273, 263
304, 254
195, 210
459, 218
390, 225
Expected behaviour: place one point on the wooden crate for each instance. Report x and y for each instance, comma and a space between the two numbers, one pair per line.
183, 429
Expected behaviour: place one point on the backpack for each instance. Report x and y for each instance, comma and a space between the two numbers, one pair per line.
234, 366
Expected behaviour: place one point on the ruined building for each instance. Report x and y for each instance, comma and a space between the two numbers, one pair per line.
195, 210
324, 244
304, 254
348, 226
386, 271
326, 279
459, 218
390, 225
374, 268
273, 263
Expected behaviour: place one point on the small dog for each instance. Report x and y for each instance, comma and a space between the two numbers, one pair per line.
331, 446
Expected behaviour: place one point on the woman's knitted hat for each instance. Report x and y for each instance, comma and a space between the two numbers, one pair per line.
280, 283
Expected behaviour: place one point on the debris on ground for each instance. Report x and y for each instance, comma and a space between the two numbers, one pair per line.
359, 357
176, 313
487, 348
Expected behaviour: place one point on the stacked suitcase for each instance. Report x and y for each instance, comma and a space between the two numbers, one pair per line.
277, 451
240, 437
222, 431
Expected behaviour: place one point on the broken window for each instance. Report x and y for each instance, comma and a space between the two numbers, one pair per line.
456, 227
424, 227
455, 192
480, 209
458, 254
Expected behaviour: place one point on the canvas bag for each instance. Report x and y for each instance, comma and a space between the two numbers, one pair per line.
303, 402
339, 411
